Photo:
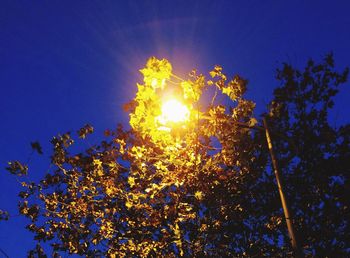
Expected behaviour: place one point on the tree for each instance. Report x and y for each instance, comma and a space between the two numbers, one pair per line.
198, 187
318, 179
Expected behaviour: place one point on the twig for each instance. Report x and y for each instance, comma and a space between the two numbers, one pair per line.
3, 252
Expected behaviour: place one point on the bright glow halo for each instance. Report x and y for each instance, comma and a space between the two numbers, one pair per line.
173, 111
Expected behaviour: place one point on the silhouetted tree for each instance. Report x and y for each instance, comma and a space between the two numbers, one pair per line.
318, 178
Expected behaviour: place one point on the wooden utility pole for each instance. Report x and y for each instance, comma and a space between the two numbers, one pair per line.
287, 214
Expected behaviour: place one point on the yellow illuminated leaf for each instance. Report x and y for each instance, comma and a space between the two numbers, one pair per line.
131, 181
97, 163
198, 195
156, 72
128, 204
212, 74
252, 122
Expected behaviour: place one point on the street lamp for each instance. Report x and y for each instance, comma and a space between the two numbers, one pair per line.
173, 111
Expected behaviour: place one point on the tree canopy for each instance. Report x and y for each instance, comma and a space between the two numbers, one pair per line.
202, 186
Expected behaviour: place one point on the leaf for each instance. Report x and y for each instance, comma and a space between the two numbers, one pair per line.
4, 215
177, 241
212, 74
130, 106
131, 181
84, 131
128, 204
229, 92
198, 195
252, 122
36, 147
156, 72
16, 168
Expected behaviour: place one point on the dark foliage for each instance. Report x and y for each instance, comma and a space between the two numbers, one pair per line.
317, 179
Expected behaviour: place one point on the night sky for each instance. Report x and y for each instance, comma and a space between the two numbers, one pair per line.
65, 64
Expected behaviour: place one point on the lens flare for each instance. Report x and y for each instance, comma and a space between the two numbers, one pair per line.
173, 111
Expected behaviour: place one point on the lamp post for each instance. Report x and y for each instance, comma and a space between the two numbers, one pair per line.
287, 214
175, 111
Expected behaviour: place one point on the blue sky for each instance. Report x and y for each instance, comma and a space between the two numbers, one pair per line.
67, 63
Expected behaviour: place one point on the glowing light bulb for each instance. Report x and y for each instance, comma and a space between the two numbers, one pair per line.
174, 111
